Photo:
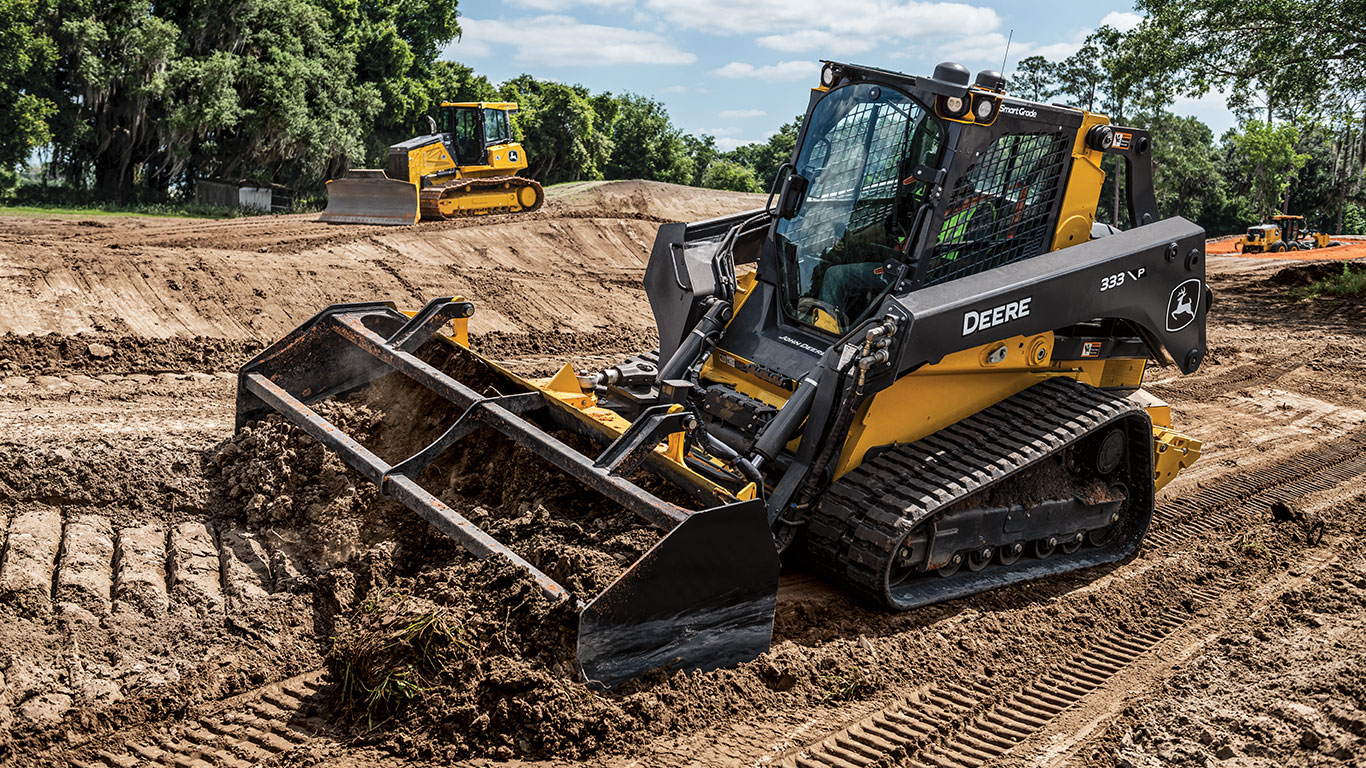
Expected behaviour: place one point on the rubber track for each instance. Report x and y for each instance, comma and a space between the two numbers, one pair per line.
862, 518
937, 737
247, 730
429, 198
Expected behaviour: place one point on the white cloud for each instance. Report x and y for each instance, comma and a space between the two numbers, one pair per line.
468, 48
1121, 20
727, 143
564, 5
882, 20
563, 41
741, 114
819, 40
783, 70
731, 131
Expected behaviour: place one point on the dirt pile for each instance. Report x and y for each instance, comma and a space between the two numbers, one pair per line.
95, 353
1300, 276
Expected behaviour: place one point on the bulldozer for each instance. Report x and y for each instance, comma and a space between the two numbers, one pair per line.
466, 166
917, 370
1281, 233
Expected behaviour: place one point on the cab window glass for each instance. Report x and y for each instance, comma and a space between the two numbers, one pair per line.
496, 127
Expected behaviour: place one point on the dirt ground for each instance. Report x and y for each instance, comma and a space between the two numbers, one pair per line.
170, 592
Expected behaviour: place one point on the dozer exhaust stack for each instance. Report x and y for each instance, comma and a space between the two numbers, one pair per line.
702, 597
371, 197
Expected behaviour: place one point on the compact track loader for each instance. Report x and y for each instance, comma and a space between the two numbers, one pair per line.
467, 167
917, 370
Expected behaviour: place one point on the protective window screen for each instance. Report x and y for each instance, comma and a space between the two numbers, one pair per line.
859, 143
1001, 210
855, 180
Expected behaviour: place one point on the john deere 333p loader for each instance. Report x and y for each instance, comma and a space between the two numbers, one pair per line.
917, 370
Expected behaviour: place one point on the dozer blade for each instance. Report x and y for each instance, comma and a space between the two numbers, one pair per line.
703, 597
370, 197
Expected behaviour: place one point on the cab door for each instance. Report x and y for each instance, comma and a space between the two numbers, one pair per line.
464, 135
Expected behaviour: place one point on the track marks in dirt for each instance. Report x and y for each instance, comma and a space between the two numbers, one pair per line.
1181, 389
52, 560
1001, 728
1233, 498
919, 719
246, 730
946, 736
1065, 736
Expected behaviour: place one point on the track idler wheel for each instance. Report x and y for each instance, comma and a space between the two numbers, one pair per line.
978, 559
1010, 553
1044, 548
1072, 543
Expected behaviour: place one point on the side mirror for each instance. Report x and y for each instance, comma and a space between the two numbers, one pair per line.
790, 199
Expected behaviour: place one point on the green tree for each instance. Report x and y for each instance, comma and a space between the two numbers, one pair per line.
1036, 79
1082, 75
703, 151
1286, 52
26, 57
560, 129
457, 82
646, 145
1267, 158
1186, 169
730, 175
1354, 220
767, 157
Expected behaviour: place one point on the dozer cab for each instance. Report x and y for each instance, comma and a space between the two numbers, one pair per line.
917, 370
466, 166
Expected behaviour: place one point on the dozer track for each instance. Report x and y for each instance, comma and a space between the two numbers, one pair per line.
505, 194
892, 527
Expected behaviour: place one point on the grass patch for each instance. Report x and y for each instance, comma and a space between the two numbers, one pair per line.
851, 685
1253, 548
1350, 283
153, 211
394, 650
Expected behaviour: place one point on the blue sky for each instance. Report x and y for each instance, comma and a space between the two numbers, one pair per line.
737, 69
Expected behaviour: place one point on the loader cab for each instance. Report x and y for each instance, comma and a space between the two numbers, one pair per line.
469, 130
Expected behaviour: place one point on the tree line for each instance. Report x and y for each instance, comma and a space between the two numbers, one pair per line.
1291, 71
134, 100
131, 100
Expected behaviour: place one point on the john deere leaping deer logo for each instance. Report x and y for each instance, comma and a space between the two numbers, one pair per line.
1181, 306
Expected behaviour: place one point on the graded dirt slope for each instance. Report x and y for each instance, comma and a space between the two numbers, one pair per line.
573, 266
168, 596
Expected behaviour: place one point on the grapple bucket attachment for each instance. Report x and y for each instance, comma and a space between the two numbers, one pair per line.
703, 597
371, 197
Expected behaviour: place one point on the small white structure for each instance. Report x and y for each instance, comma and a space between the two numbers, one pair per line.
233, 195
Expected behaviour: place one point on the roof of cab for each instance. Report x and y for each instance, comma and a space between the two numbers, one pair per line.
505, 106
